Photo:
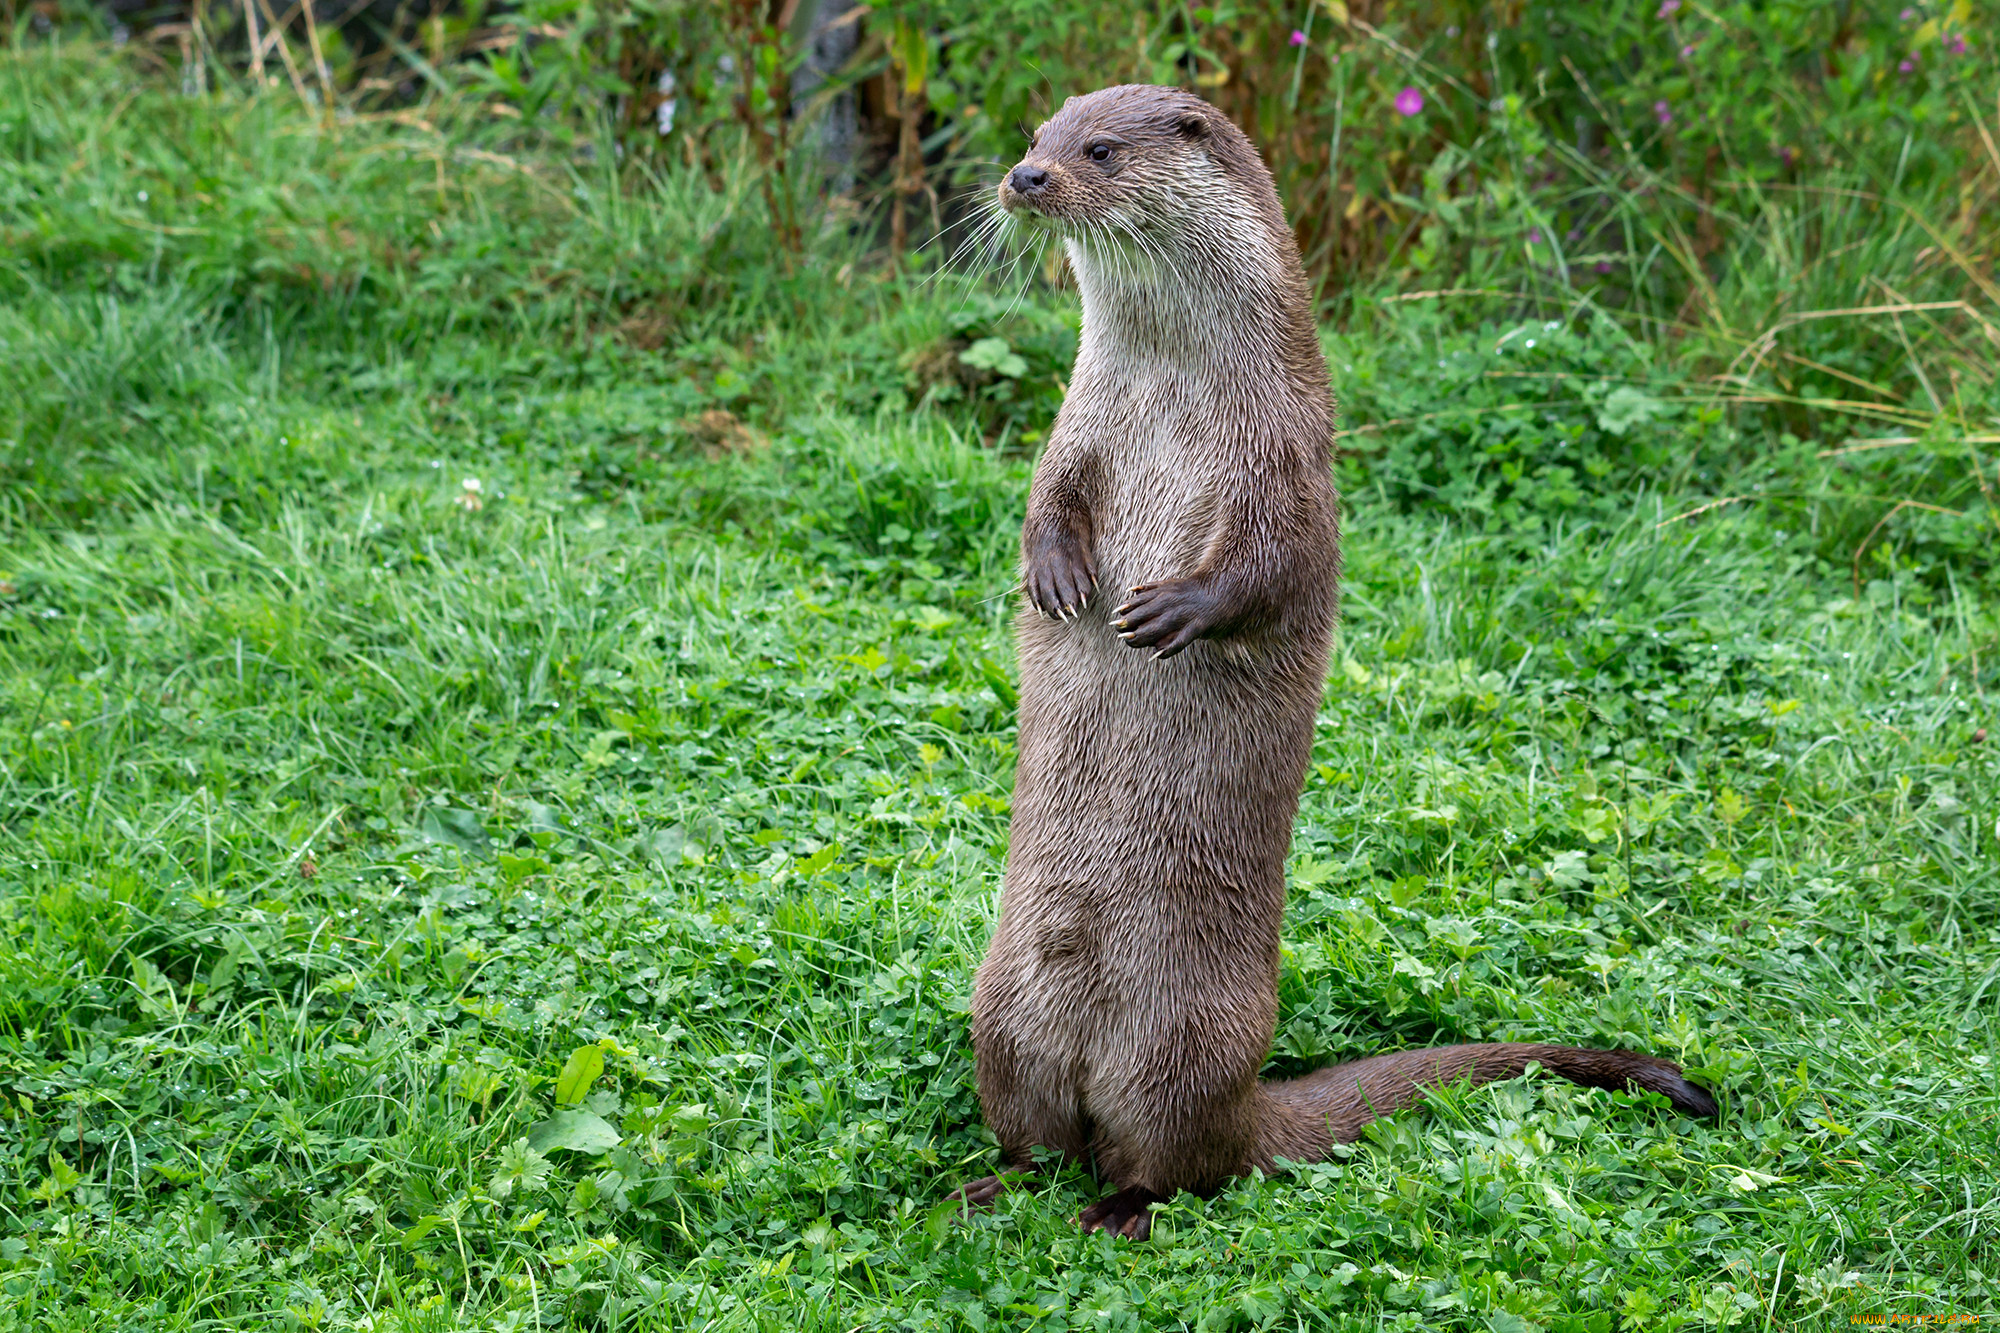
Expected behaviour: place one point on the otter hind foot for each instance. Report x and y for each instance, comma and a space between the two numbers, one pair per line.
1127, 1213
978, 1193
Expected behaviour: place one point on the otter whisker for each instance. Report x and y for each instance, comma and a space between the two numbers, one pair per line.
987, 223
981, 237
977, 215
1169, 269
1167, 274
1132, 257
1116, 256
1098, 256
1000, 241
1135, 254
1139, 244
1031, 252
979, 224
981, 197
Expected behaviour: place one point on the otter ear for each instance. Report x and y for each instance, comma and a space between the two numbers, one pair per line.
1192, 125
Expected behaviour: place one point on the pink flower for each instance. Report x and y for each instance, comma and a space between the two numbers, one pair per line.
1298, 38
1667, 7
1687, 50
1603, 266
1663, 113
1409, 102
1788, 155
1534, 236
1906, 64
1907, 15
1955, 44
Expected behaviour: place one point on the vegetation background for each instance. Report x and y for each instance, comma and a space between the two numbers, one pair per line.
506, 521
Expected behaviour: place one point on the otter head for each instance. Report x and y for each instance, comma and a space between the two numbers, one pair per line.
1138, 165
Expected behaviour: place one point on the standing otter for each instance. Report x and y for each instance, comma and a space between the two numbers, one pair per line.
1130, 993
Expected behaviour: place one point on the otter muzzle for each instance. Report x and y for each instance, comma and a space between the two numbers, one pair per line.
1023, 189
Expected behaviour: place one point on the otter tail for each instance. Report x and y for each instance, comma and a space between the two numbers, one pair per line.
1302, 1117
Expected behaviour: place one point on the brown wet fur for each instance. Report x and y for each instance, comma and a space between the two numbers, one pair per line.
1180, 557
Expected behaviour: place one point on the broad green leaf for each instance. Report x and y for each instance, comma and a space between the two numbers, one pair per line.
422, 1227
514, 868
62, 1178
477, 1083
995, 355
519, 1165
1625, 407
1597, 822
1646, 811
691, 1119
156, 993
998, 681
1717, 864
585, 1063
1568, 869
453, 827
665, 845
577, 1131
223, 970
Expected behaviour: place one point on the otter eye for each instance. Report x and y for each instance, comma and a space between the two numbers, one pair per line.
1100, 152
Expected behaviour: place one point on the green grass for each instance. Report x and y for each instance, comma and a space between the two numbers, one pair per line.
347, 827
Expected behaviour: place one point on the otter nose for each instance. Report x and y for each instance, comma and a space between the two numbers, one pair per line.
1025, 179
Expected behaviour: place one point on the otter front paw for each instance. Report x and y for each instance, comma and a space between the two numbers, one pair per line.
1168, 616
1059, 576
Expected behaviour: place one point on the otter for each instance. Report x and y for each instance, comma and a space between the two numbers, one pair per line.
1129, 996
